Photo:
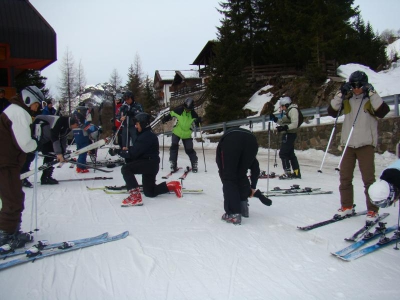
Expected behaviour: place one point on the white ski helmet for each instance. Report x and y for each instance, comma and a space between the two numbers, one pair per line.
31, 94
285, 101
381, 193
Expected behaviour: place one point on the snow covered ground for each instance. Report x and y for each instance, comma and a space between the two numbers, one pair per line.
180, 249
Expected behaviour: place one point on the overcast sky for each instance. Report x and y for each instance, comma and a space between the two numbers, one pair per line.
167, 35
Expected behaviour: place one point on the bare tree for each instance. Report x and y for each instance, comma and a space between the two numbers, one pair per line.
80, 81
67, 82
115, 81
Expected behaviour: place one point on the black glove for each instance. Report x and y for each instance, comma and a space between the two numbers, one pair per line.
345, 88
124, 154
273, 118
282, 128
367, 88
198, 121
264, 200
165, 119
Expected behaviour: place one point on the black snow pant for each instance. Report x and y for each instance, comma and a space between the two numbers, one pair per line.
46, 150
286, 153
148, 168
235, 156
187, 144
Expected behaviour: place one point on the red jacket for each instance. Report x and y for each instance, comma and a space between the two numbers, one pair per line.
117, 123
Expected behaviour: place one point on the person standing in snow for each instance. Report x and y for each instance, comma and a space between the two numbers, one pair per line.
16, 141
49, 109
185, 116
288, 125
362, 107
235, 155
84, 134
126, 115
386, 191
145, 160
54, 136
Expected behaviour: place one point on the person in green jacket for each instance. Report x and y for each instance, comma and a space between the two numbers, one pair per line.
185, 116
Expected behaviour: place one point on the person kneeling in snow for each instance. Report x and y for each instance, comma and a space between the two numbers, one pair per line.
146, 161
386, 191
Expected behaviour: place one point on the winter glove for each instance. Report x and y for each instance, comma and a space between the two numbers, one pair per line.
368, 89
345, 88
124, 154
282, 128
273, 118
165, 119
264, 200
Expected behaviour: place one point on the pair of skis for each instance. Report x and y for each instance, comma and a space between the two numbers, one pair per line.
183, 176
113, 190
43, 249
353, 251
295, 190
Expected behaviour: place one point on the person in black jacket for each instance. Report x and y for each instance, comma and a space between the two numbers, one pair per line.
236, 154
4, 103
144, 159
126, 115
54, 131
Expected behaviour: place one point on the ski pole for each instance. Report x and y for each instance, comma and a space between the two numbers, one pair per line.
163, 135
348, 139
276, 150
269, 147
330, 138
34, 197
202, 146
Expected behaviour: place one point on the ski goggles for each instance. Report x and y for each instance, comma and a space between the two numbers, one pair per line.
357, 85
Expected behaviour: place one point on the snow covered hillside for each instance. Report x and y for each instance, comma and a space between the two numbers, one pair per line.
180, 249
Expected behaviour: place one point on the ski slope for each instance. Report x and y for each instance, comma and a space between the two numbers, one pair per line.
180, 248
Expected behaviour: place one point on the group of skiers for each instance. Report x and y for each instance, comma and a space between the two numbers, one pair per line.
235, 156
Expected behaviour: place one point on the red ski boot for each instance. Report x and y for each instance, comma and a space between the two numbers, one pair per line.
134, 198
175, 186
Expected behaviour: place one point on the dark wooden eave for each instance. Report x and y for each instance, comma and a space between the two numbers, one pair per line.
206, 55
29, 41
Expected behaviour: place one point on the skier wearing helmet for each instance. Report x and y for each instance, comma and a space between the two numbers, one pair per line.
16, 141
361, 106
185, 116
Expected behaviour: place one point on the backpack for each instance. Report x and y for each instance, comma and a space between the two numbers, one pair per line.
301, 117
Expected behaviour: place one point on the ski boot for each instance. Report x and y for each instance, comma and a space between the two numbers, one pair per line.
47, 177
194, 167
175, 186
134, 198
26, 183
235, 219
174, 166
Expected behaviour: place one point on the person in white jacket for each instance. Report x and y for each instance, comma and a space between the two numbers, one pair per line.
15, 141
362, 107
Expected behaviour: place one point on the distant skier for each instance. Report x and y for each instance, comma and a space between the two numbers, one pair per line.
185, 116
288, 125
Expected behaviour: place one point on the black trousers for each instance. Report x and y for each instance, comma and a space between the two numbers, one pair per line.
187, 144
148, 169
237, 152
286, 153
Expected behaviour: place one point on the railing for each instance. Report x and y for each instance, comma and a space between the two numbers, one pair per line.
315, 112
188, 90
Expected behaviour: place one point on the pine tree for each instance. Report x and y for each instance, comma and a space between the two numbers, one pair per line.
149, 100
135, 81
32, 77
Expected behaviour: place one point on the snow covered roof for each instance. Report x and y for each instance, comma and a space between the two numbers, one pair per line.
166, 74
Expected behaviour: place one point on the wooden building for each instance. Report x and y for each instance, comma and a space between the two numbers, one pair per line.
27, 41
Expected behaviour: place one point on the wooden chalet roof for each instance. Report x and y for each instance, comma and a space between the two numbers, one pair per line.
27, 41
206, 55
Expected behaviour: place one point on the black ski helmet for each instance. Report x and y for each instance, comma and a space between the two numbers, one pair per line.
143, 119
358, 76
127, 95
189, 103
